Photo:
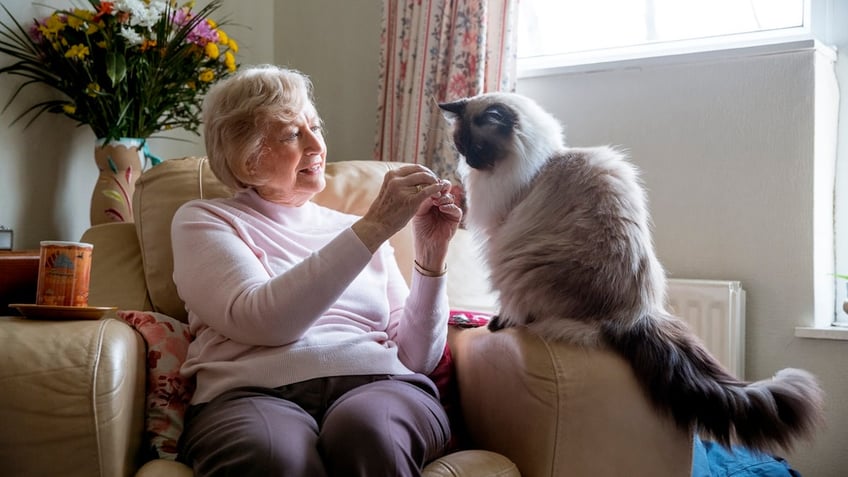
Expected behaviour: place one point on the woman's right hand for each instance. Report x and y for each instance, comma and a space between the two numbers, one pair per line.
400, 196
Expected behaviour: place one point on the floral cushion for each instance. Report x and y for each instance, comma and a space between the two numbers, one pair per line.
168, 392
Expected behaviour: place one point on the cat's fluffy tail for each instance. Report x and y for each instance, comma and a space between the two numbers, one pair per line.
681, 377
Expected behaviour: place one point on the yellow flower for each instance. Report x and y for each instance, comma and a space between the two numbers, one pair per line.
230, 61
86, 15
77, 51
212, 50
54, 23
69, 108
79, 18
51, 27
92, 89
233, 45
75, 22
222, 37
207, 76
211, 23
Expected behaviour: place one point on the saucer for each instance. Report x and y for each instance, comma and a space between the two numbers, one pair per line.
50, 312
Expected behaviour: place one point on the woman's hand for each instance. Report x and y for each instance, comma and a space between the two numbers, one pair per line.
407, 191
434, 225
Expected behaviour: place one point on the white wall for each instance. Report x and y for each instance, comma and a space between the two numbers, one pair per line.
337, 45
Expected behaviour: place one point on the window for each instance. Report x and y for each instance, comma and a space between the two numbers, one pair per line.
561, 32
558, 38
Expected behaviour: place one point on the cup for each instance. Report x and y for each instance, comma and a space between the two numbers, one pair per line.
64, 272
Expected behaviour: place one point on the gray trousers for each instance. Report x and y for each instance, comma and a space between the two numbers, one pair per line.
369, 426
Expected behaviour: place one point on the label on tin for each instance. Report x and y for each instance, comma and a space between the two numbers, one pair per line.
64, 273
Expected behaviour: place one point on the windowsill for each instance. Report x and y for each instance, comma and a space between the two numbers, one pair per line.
822, 332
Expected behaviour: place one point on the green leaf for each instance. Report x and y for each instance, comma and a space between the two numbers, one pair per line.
116, 67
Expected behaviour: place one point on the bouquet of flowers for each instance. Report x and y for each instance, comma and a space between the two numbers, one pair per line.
125, 68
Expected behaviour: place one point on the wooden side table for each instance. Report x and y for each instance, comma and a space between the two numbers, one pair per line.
18, 278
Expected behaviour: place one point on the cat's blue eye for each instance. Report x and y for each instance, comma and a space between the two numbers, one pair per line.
494, 115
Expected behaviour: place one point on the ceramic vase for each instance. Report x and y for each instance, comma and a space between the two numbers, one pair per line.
120, 162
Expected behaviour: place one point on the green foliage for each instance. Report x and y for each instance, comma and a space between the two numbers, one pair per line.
127, 68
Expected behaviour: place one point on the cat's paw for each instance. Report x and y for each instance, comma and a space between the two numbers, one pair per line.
495, 324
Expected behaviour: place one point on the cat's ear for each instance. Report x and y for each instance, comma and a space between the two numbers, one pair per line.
454, 109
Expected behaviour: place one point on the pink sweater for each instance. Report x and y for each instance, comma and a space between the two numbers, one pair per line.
277, 295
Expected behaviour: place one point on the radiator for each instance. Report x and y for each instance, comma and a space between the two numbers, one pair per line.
715, 310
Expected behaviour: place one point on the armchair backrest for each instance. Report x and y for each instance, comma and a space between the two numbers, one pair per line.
159, 192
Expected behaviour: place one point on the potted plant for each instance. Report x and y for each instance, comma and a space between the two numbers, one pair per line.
127, 69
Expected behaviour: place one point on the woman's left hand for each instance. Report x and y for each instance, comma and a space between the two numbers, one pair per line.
434, 224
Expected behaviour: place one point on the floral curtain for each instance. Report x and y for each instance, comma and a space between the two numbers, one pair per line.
434, 51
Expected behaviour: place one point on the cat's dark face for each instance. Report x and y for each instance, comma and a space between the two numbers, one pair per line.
484, 130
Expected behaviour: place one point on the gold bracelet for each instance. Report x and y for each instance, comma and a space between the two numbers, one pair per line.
427, 272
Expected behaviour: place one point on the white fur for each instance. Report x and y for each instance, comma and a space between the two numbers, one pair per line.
503, 185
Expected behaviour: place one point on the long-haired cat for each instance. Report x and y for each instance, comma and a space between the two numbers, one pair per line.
565, 232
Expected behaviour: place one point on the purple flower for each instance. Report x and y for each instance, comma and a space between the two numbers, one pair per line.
35, 33
201, 34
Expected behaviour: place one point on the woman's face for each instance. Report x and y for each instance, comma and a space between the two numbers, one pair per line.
294, 159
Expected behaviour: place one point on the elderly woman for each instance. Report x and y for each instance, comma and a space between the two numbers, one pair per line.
310, 352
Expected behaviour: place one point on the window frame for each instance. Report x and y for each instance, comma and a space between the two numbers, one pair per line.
663, 51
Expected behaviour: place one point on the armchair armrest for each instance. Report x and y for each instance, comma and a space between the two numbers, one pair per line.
72, 400
557, 409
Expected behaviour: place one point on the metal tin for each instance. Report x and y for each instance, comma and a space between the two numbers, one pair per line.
64, 273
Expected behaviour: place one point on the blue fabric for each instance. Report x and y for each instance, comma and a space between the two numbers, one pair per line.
710, 459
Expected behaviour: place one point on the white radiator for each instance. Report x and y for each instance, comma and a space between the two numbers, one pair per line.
715, 310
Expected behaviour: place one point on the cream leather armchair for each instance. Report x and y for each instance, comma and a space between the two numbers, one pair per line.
72, 392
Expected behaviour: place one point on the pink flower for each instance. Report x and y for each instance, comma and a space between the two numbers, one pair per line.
35, 32
201, 34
